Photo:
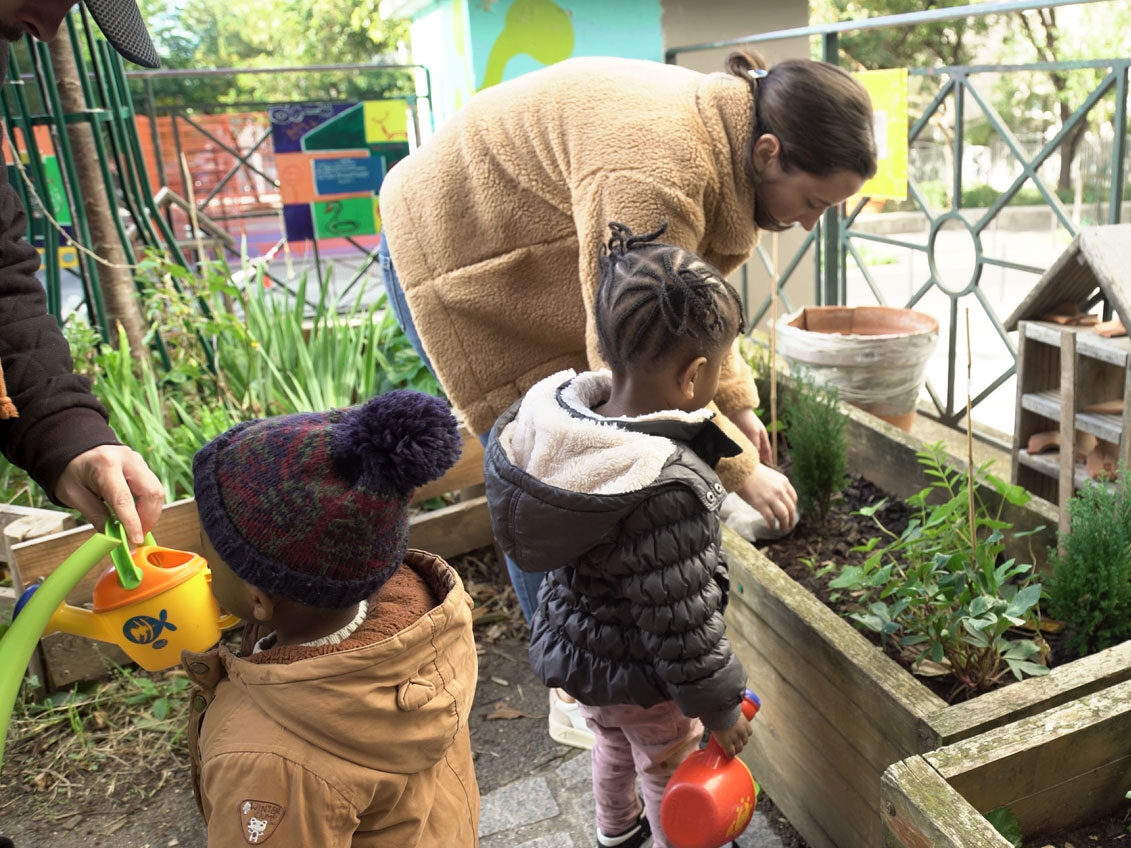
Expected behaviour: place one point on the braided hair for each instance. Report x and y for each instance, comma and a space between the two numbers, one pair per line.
655, 298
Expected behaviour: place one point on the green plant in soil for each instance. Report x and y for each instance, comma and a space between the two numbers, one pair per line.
128, 725
817, 450
222, 353
1090, 589
941, 590
1005, 822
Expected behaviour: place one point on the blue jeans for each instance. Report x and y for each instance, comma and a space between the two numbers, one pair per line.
526, 585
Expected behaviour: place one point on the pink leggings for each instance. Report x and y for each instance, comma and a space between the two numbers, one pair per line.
631, 740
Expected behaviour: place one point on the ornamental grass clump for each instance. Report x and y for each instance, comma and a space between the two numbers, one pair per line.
941, 590
818, 453
224, 352
1090, 590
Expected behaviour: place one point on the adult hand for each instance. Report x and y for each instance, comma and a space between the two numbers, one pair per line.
734, 738
751, 425
113, 475
770, 492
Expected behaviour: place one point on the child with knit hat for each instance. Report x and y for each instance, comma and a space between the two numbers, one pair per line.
346, 724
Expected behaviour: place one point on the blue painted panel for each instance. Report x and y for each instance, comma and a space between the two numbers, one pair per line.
346, 176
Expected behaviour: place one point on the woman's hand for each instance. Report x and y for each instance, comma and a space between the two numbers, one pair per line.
751, 425
734, 738
770, 492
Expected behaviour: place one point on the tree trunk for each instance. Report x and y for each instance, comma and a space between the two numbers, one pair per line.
1068, 148
118, 290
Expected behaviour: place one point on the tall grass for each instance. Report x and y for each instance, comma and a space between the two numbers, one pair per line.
223, 353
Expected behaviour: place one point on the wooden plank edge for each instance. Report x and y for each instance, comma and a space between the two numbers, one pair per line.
919, 809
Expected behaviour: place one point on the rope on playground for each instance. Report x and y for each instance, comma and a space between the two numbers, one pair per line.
43, 210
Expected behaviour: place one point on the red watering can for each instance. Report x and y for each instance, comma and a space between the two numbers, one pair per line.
711, 797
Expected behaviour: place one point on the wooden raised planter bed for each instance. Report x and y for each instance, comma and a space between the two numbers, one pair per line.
1060, 769
837, 711
64, 659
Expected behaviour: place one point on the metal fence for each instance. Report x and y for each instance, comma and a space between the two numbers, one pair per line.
228, 191
850, 251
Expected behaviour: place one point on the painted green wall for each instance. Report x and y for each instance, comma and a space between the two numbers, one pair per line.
469, 45
513, 37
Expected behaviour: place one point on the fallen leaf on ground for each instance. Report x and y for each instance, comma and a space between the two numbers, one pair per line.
505, 712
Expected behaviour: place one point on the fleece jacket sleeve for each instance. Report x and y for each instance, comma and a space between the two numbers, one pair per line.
250, 797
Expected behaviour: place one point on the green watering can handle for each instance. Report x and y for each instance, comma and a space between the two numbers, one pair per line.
129, 575
18, 643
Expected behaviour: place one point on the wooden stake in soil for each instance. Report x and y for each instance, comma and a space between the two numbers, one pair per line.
773, 357
190, 195
970, 450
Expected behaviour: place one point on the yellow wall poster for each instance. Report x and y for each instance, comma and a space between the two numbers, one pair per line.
888, 90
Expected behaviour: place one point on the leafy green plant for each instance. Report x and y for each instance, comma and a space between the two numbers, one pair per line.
815, 427
1090, 588
224, 353
1005, 822
940, 590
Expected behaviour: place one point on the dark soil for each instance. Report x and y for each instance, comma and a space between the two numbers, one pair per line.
814, 544
1114, 831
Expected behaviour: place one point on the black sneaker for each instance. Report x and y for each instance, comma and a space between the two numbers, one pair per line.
635, 837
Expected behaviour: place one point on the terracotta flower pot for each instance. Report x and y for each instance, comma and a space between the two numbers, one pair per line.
876, 356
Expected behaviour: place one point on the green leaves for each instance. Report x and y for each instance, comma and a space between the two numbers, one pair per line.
940, 590
1005, 822
1091, 580
231, 353
815, 426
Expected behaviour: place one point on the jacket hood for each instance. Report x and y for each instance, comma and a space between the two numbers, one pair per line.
411, 692
567, 460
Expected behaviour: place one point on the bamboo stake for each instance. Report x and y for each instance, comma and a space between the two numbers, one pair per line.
194, 221
773, 357
970, 450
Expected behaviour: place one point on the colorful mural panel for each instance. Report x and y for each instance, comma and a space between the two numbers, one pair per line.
331, 160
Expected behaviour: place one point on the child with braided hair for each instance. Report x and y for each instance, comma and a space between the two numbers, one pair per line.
604, 480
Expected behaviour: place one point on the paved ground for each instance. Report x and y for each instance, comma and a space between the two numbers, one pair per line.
536, 793
553, 808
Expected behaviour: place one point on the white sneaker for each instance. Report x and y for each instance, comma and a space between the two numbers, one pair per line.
567, 726
747, 522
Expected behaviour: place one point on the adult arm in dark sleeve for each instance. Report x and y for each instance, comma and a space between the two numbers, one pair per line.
61, 435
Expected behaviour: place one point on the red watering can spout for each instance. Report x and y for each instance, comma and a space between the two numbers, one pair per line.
710, 798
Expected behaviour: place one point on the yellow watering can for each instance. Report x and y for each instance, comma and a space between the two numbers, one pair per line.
171, 609
153, 603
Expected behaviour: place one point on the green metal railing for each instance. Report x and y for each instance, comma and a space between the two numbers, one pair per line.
29, 99
836, 238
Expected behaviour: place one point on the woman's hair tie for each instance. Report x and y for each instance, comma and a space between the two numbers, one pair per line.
757, 74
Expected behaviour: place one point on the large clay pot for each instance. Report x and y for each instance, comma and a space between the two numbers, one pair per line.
876, 356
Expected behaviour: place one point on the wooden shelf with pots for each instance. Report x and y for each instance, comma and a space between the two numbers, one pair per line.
1061, 371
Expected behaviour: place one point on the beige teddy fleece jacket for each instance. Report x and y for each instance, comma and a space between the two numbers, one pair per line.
494, 224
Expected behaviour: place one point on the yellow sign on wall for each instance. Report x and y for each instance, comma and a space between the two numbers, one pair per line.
888, 90
68, 257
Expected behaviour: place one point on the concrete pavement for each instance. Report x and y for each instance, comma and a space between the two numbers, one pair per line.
553, 808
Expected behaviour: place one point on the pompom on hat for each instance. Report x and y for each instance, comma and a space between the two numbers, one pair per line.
313, 506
